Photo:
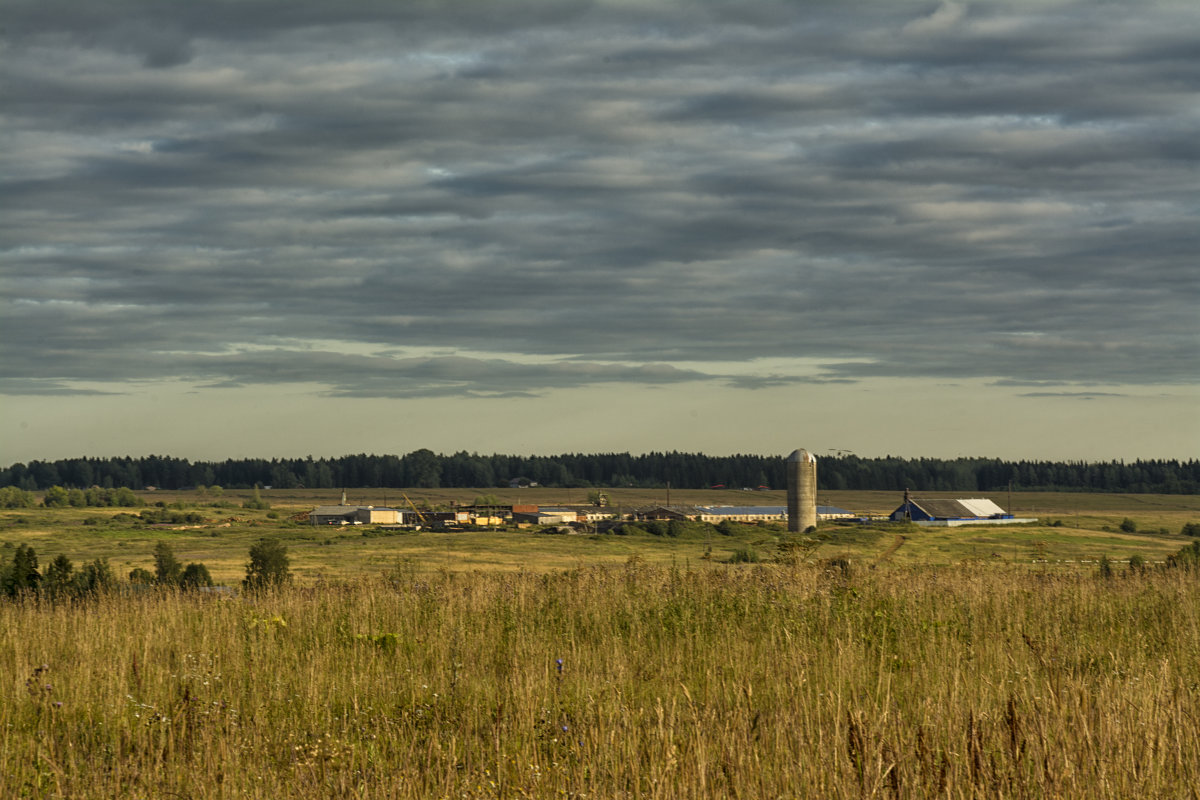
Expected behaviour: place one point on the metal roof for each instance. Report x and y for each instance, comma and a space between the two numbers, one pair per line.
762, 511
971, 508
982, 507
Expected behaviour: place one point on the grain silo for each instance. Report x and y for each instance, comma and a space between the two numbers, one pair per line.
802, 490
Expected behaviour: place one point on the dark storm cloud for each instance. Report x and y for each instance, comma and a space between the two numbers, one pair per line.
218, 191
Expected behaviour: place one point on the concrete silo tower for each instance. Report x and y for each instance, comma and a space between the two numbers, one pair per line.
802, 490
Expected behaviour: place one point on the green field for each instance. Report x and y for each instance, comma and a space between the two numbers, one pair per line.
1072, 529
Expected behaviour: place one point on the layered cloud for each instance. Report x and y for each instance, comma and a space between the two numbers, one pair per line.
558, 194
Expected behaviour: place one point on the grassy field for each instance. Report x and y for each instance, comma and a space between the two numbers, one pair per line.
638, 681
1072, 528
872, 661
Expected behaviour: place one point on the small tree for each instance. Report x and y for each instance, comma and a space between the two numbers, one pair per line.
141, 575
96, 576
256, 502
167, 569
269, 565
59, 578
195, 575
15, 497
1128, 525
22, 574
1188, 558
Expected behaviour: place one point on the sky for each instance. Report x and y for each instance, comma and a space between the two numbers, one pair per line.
259, 228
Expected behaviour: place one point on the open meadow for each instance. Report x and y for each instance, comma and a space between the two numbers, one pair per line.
1072, 528
764, 681
877, 662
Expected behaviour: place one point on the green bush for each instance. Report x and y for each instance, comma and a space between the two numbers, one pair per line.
744, 555
15, 497
194, 576
269, 565
1187, 558
256, 502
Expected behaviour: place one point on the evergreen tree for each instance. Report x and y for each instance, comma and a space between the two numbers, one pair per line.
96, 576
22, 574
167, 569
59, 580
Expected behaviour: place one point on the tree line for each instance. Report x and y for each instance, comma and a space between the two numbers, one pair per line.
426, 469
21, 576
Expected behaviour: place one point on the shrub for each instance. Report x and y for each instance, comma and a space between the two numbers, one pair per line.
256, 502
1187, 558
269, 565
195, 575
96, 576
141, 575
1128, 525
15, 497
1191, 529
744, 555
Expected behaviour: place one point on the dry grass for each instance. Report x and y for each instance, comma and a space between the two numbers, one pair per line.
739, 682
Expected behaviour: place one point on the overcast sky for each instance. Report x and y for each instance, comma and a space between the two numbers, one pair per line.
290, 227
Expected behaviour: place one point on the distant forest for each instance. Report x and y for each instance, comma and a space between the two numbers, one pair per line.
426, 469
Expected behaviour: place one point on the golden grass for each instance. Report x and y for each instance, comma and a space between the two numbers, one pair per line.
739, 682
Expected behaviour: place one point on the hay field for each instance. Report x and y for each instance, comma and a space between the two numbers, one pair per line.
760, 681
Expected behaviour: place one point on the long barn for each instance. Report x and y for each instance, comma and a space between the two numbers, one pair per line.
952, 513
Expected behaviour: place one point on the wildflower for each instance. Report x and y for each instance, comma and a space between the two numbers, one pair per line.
559, 663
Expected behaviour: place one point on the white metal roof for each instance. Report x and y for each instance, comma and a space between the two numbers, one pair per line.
982, 507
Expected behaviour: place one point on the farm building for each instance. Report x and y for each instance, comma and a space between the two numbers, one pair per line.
715, 514
952, 513
547, 516
355, 515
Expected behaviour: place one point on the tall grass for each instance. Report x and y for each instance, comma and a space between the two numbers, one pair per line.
648, 682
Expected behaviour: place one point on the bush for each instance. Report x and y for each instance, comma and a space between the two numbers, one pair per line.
1187, 558
141, 575
656, 527
256, 502
1191, 529
14, 497
96, 576
195, 575
1128, 525
744, 555
269, 565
